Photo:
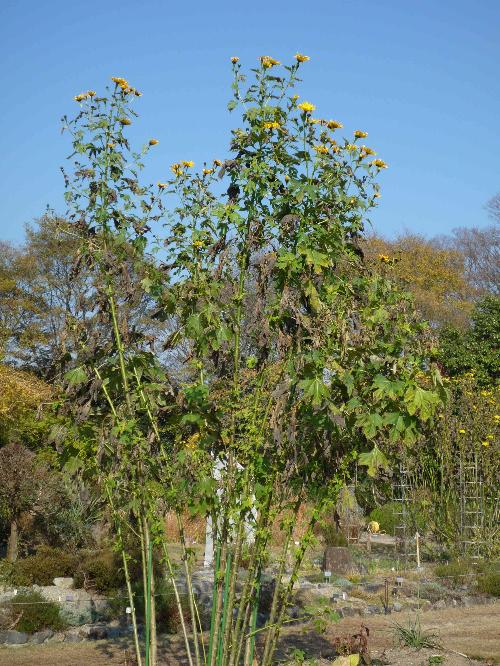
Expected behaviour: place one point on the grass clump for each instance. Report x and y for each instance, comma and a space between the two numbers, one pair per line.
29, 611
413, 636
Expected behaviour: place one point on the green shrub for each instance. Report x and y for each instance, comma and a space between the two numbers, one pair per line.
6, 569
455, 573
331, 535
37, 612
386, 516
41, 568
489, 583
100, 570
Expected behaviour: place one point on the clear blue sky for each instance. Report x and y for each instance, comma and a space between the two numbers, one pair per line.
421, 76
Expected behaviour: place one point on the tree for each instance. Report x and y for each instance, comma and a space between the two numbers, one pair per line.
481, 249
435, 273
298, 359
476, 350
21, 485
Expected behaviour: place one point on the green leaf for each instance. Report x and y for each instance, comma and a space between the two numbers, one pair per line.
315, 390
419, 400
374, 460
76, 376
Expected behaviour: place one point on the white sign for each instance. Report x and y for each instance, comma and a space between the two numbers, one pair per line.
128, 610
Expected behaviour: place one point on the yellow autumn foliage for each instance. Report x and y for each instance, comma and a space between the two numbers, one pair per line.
20, 392
436, 276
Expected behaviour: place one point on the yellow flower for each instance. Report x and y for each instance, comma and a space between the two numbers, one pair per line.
162, 186
360, 135
462, 431
299, 57
123, 83
91, 93
188, 163
367, 151
496, 417
110, 145
206, 172
153, 142
380, 164
321, 150
193, 440
351, 147
125, 121
268, 62
315, 121
198, 243
485, 443
295, 98
307, 107
377, 195
334, 124
80, 97
272, 125
287, 177
217, 163
490, 437
384, 258
234, 59
176, 169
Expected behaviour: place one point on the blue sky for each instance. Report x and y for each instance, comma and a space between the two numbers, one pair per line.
421, 77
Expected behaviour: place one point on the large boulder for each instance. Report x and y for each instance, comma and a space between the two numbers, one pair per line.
338, 560
12, 637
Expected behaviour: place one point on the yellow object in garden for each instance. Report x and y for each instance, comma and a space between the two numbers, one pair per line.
373, 527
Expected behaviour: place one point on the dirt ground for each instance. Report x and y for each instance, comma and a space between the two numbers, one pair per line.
474, 632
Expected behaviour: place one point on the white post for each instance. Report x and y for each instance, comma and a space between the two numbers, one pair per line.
417, 541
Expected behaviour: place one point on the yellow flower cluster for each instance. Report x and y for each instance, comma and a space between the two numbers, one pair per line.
360, 135
83, 96
334, 124
269, 62
176, 169
206, 172
380, 164
162, 186
188, 163
384, 258
351, 147
299, 57
234, 59
321, 149
125, 86
218, 163
274, 124
125, 121
365, 151
306, 107
153, 142
192, 441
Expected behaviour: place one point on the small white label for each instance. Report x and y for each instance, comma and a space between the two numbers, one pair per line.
128, 610
328, 574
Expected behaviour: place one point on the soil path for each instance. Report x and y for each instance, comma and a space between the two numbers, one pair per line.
473, 631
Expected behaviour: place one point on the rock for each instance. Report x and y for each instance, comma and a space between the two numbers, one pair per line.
115, 632
374, 587
97, 632
338, 560
64, 583
73, 637
349, 611
397, 607
12, 637
467, 601
58, 638
440, 604
40, 637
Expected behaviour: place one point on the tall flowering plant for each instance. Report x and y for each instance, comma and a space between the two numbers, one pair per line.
283, 360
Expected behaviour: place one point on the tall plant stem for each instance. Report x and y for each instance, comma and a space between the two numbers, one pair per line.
277, 589
214, 597
171, 575
151, 594
228, 633
273, 635
224, 621
128, 582
189, 585
217, 616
